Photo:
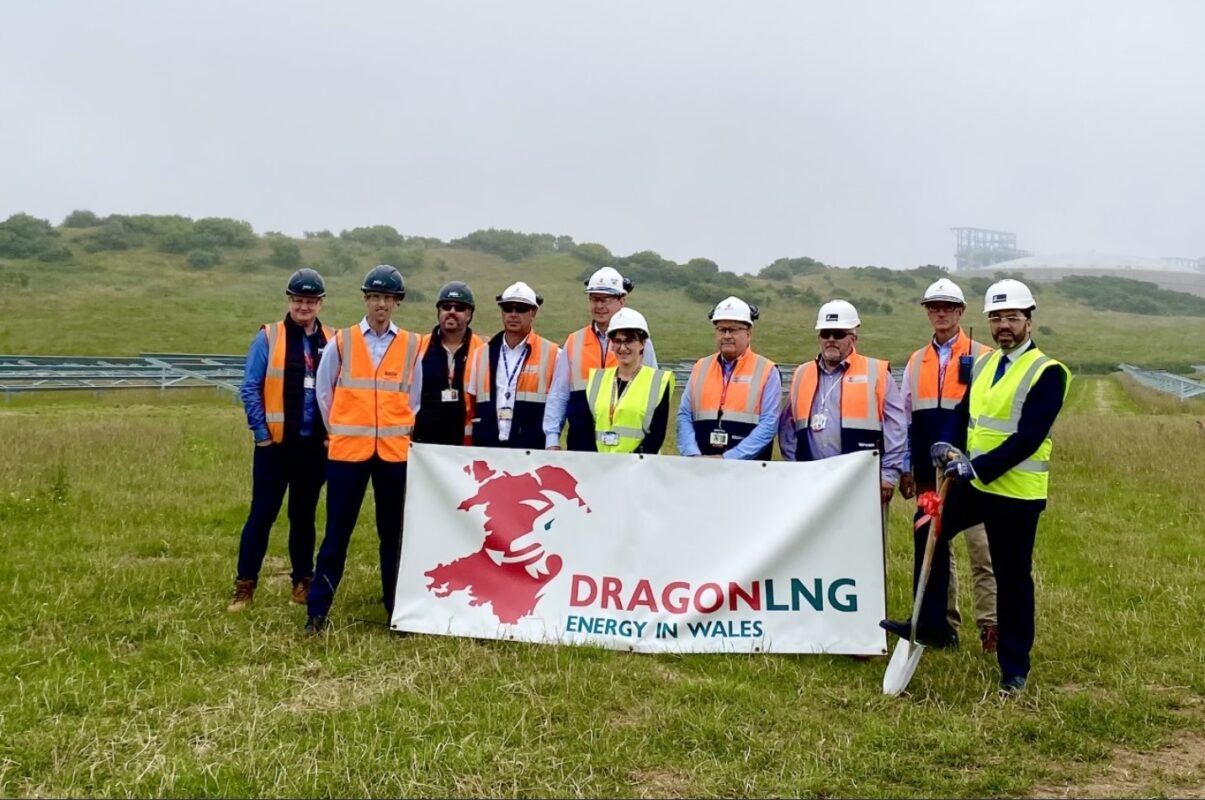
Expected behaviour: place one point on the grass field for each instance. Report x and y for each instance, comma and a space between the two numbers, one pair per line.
125, 676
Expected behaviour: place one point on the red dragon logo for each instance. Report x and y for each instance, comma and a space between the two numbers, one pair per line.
512, 567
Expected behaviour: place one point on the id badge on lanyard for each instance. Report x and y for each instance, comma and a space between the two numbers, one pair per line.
309, 382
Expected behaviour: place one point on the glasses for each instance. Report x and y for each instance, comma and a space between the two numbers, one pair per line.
305, 302
453, 307
623, 341
837, 335
946, 307
727, 331
1012, 319
514, 308
603, 299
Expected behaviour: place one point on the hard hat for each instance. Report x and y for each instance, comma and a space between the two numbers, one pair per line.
943, 290
839, 315
1008, 295
306, 283
520, 293
735, 310
628, 319
456, 292
384, 279
608, 281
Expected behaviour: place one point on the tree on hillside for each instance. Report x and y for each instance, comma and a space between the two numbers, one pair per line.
26, 236
112, 234
375, 235
507, 244
783, 269
593, 254
222, 232
284, 252
81, 219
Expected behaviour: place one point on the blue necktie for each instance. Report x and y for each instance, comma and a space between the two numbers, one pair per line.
1000, 367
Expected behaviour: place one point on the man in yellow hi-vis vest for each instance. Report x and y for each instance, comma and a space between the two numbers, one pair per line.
1015, 395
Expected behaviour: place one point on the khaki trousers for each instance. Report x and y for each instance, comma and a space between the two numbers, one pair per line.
983, 580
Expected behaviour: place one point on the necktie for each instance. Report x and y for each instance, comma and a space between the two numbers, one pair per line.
1000, 367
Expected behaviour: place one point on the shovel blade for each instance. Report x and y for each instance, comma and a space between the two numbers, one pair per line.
901, 667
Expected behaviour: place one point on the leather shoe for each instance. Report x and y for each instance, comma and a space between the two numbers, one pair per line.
315, 625
1011, 687
902, 628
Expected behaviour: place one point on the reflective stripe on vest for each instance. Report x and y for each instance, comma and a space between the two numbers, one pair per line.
535, 373
742, 403
923, 367
585, 353
274, 378
863, 379
635, 410
371, 413
994, 413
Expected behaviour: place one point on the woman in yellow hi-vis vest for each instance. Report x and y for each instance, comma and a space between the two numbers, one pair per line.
629, 402
1015, 395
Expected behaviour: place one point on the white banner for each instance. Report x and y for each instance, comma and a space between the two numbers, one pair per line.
644, 553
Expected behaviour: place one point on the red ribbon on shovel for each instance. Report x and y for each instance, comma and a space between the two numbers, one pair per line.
930, 503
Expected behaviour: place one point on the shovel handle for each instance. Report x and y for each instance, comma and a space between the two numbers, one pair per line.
943, 486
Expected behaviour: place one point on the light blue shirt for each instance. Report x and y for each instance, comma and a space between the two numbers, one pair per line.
255, 369
332, 362
827, 443
943, 360
556, 405
761, 435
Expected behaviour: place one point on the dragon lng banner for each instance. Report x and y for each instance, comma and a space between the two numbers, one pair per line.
644, 553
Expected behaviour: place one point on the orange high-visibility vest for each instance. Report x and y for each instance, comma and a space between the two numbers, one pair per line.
923, 368
535, 378
584, 354
476, 342
741, 402
274, 378
371, 414
863, 391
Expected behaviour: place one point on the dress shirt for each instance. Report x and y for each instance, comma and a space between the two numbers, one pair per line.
328, 368
761, 435
506, 377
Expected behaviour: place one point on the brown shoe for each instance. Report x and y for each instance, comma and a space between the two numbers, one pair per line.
988, 636
244, 594
301, 590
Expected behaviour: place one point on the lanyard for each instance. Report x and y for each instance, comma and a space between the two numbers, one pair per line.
824, 400
727, 378
507, 371
617, 394
309, 360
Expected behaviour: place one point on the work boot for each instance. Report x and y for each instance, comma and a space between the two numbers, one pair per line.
315, 625
940, 639
1011, 687
989, 635
301, 590
244, 594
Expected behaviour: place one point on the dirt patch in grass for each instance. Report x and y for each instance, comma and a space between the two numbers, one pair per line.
1178, 770
661, 783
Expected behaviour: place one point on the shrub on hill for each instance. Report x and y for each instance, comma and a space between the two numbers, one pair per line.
593, 254
81, 218
322, 234
513, 246
1135, 297
203, 259
895, 276
783, 269
26, 236
112, 234
374, 235
284, 252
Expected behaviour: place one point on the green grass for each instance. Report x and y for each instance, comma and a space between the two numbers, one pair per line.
123, 675
125, 302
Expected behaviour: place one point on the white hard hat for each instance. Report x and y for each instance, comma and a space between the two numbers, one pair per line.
1008, 295
608, 281
837, 315
520, 293
735, 310
943, 290
628, 319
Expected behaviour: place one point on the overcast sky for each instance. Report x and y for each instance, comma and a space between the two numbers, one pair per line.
856, 133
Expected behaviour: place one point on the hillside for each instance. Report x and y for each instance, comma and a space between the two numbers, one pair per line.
97, 287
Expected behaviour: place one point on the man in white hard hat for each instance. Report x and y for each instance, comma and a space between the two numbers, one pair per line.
1002, 480
630, 402
936, 378
730, 403
586, 349
510, 381
843, 402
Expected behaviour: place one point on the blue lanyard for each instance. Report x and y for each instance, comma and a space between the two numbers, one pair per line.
507, 371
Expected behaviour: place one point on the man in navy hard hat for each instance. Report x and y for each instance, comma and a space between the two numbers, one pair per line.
446, 357
279, 398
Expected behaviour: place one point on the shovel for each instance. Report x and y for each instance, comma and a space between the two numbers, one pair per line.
907, 653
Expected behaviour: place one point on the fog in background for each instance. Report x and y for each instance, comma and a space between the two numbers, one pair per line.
855, 133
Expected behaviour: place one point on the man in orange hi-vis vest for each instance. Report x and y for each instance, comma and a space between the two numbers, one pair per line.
936, 378
290, 451
843, 402
369, 390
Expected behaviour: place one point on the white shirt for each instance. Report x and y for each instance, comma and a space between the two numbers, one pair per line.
506, 378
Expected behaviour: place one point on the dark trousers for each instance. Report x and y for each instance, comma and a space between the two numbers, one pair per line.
298, 466
1011, 527
346, 483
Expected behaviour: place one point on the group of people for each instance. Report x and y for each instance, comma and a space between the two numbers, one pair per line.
343, 406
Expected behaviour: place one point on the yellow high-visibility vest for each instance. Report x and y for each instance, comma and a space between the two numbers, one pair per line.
633, 412
994, 414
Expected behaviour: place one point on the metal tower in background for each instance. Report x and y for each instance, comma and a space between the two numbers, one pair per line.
975, 248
